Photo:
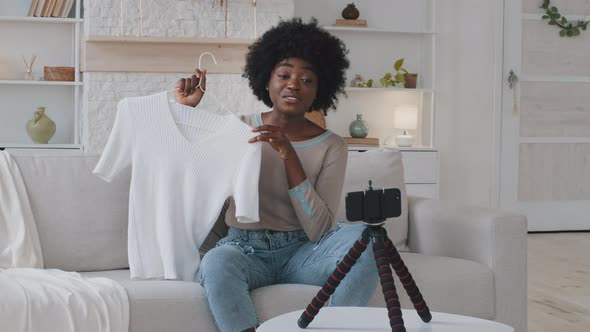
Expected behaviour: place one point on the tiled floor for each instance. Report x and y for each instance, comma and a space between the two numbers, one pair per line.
559, 282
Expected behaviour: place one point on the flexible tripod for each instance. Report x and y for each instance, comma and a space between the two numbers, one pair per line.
386, 256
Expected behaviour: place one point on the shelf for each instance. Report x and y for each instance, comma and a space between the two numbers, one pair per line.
40, 146
163, 54
30, 19
25, 82
372, 147
352, 29
351, 89
169, 40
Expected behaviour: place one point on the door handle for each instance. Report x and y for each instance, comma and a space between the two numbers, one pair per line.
512, 79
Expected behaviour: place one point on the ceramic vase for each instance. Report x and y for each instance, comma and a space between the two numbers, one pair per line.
356, 81
350, 12
358, 128
40, 128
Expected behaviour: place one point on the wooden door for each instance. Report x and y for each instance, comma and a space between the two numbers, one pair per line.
545, 149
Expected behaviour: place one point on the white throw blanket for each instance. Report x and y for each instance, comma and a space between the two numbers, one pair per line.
33, 299
58, 301
19, 241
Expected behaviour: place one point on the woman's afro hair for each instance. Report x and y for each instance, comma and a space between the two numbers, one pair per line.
307, 41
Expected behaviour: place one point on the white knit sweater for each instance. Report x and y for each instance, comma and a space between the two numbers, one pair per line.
180, 179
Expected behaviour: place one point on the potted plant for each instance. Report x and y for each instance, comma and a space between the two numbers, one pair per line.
401, 76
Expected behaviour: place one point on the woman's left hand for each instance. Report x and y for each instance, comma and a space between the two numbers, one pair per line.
276, 138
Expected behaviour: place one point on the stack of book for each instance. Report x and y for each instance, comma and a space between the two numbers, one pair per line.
51, 8
367, 141
351, 23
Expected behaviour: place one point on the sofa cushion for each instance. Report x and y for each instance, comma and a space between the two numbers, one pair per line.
170, 305
385, 168
449, 285
81, 219
163, 305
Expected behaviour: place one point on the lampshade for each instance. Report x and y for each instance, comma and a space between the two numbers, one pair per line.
405, 117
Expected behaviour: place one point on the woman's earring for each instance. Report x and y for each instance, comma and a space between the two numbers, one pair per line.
267, 88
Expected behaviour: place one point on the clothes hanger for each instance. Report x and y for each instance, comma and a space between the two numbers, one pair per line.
199, 67
201, 88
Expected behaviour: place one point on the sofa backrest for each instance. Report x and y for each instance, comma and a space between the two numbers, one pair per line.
82, 220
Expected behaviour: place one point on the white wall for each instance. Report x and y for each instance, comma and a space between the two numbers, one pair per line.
467, 100
169, 18
372, 54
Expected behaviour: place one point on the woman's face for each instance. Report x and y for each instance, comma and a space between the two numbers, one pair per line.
293, 86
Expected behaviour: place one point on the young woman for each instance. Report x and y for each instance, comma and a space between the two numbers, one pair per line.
293, 68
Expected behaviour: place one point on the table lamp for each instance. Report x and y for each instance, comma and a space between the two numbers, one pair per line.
405, 117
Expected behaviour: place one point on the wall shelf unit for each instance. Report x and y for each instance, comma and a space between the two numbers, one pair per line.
56, 43
390, 35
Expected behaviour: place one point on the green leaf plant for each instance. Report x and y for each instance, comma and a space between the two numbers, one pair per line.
392, 79
568, 29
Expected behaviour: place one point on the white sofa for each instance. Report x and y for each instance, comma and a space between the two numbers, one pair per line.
465, 260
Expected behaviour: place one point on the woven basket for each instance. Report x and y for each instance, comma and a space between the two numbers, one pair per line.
58, 73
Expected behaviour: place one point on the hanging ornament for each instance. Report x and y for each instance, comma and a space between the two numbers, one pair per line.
120, 18
254, 4
226, 3
140, 18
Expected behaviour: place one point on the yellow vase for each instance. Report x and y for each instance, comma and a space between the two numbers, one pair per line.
41, 128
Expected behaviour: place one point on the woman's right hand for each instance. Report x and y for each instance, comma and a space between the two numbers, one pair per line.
187, 92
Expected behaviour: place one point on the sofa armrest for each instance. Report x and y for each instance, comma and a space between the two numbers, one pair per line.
488, 236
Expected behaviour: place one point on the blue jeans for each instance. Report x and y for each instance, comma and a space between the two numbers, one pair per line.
246, 260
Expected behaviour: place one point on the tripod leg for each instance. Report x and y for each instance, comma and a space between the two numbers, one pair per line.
407, 281
334, 280
388, 287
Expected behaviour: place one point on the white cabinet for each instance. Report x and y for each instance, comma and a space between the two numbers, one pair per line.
421, 172
396, 29
56, 42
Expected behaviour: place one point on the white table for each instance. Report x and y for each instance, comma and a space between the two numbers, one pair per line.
353, 319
